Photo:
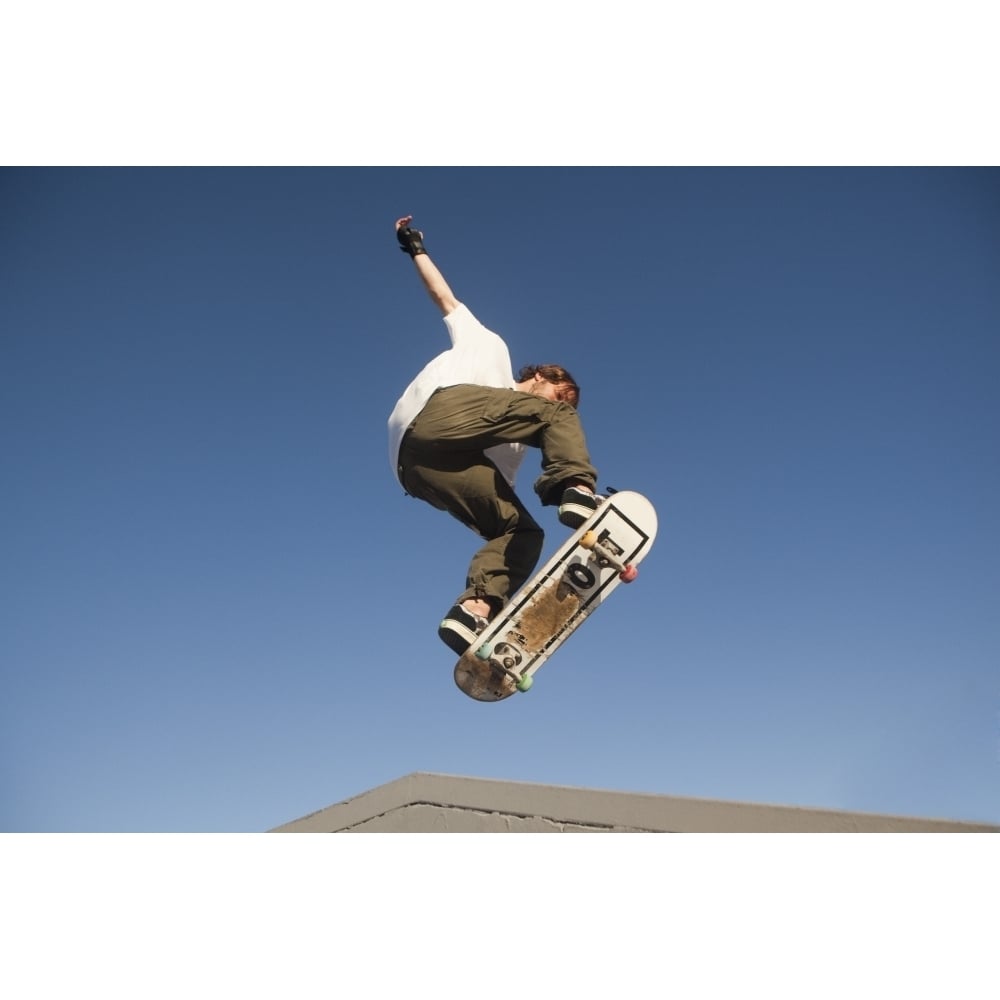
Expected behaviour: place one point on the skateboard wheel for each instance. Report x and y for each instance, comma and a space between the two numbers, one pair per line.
525, 682
484, 651
589, 539
628, 574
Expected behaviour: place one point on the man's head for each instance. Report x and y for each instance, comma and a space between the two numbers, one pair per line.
549, 381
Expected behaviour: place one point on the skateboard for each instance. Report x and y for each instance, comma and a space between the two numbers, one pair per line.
601, 554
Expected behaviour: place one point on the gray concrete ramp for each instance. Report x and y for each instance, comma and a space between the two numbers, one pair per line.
441, 803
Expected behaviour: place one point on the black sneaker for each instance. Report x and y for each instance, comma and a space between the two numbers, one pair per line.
459, 629
576, 506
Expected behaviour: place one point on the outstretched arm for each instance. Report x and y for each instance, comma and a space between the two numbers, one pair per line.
411, 240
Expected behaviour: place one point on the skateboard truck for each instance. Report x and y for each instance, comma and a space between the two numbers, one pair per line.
487, 651
626, 571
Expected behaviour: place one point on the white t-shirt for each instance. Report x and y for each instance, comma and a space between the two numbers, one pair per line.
477, 357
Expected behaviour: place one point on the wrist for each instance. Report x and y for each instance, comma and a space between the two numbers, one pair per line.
411, 241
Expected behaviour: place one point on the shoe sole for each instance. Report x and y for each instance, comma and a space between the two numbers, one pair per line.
573, 515
453, 634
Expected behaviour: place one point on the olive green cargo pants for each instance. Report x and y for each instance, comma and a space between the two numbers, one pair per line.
441, 461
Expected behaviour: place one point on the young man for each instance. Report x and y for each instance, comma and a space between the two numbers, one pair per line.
457, 436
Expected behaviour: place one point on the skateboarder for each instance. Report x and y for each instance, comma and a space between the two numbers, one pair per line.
457, 436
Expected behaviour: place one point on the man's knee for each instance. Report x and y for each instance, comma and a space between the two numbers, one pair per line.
537, 543
529, 539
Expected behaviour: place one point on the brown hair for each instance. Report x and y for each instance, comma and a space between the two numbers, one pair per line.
555, 374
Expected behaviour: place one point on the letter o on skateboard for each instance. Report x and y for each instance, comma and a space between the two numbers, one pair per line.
581, 576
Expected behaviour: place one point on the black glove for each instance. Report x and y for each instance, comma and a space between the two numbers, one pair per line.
411, 241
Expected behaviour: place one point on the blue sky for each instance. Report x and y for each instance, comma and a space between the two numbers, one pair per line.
220, 610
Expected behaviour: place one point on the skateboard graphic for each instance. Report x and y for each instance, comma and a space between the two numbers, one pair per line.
602, 553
